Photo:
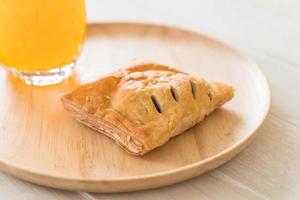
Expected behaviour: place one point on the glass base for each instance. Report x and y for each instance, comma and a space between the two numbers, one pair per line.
42, 78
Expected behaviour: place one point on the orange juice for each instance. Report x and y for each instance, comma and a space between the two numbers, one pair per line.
39, 35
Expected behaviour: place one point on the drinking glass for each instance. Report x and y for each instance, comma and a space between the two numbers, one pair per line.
40, 39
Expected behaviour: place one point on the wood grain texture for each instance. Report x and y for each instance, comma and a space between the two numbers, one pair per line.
214, 185
48, 147
272, 41
14, 189
271, 26
280, 149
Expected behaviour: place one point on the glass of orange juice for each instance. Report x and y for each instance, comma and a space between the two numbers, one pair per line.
40, 39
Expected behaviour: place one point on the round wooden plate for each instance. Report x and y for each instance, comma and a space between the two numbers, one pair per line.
41, 143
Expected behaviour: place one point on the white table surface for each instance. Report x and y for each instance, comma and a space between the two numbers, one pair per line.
266, 30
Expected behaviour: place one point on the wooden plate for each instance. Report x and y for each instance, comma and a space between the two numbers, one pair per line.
41, 143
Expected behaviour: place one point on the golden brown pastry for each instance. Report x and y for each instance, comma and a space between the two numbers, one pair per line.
143, 106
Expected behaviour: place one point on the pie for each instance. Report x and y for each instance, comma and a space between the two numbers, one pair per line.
143, 106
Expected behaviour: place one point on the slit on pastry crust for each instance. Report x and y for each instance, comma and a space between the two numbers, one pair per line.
143, 106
